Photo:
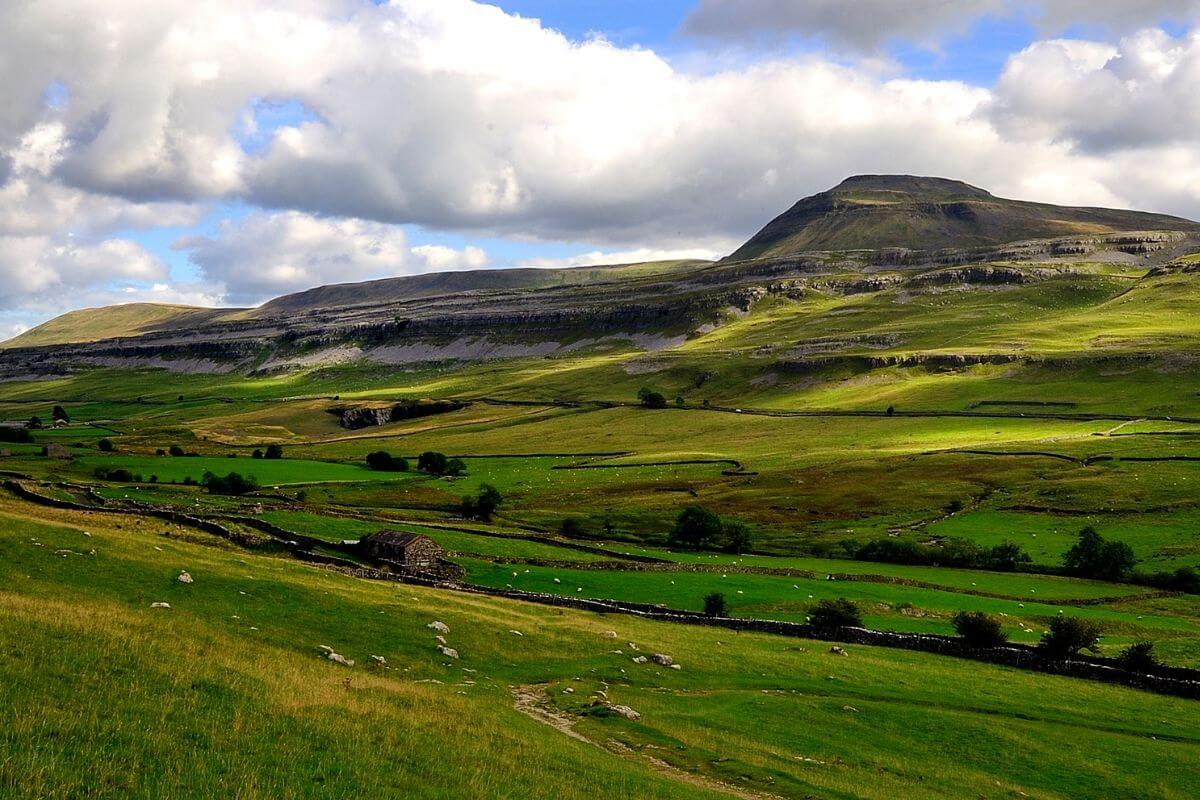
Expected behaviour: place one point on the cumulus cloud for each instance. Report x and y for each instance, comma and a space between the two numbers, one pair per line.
636, 256
34, 267
871, 24
269, 254
454, 115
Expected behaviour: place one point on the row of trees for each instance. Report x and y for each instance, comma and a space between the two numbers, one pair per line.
697, 528
962, 553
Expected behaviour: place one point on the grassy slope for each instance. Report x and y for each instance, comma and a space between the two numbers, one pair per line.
224, 694
92, 324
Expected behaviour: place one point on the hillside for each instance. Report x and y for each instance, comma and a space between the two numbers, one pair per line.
110, 322
868, 212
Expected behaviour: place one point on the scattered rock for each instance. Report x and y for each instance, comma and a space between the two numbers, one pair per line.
448, 652
516, 633
850, 708
838, 651
610, 634
440, 639
640, 659
676, 666
338, 658
626, 712
161, 605
440, 627
568, 690
184, 577
380, 660
662, 659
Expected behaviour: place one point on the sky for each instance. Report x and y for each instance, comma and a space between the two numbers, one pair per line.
223, 152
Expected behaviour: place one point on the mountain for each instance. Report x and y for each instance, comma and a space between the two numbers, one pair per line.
881, 239
869, 212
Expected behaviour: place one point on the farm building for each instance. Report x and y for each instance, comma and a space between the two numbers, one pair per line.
410, 551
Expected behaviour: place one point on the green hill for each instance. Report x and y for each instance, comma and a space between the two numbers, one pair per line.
130, 319
900, 211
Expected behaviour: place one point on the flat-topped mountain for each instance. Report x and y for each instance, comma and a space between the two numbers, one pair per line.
871, 212
870, 235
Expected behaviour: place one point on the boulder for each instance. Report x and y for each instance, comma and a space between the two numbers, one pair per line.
626, 712
161, 605
184, 577
662, 659
440, 627
448, 652
338, 658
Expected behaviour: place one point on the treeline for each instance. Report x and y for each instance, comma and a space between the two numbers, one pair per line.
961, 553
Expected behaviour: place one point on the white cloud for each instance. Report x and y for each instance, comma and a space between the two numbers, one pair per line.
870, 24
268, 254
33, 268
636, 256
453, 115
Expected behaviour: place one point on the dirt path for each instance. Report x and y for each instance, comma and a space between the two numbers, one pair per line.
530, 701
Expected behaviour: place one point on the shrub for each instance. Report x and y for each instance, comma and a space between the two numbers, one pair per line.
385, 462
737, 538
257, 453
116, 475
232, 484
696, 527
455, 467
176, 451
715, 605
1139, 657
1184, 579
35, 423
274, 451
978, 629
829, 615
650, 398
1068, 635
1093, 556
1006, 557
60, 414
483, 505
432, 462
105, 446
15, 435
571, 528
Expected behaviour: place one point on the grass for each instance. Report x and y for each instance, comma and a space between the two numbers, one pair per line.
225, 694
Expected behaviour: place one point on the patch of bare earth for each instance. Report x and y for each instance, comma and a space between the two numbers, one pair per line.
531, 701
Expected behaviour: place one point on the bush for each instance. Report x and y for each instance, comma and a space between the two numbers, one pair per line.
105, 446
829, 615
176, 451
15, 436
978, 629
455, 467
1184, 579
650, 398
115, 475
1139, 657
274, 451
60, 414
1007, 557
35, 423
382, 461
1068, 635
1093, 556
432, 462
483, 505
232, 484
715, 605
737, 538
257, 453
696, 527
571, 528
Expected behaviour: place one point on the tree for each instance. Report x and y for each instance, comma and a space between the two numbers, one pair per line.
176, 450
1007, 557
650, 398
35, 423
1068, 635
829, 615
696, 527
715, 605
382, 461
1139, 657
256, 454
274, 452
105, 446
432, 462
455, 467
483, 505
978, 629
737, 538
232, 484
571, 528
59, 414
1093, 556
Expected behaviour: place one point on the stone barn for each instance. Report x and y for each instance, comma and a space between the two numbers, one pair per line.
411, 552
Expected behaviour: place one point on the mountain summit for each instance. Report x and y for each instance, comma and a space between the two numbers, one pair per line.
868, 212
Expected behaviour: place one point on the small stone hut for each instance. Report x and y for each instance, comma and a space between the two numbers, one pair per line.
411, 552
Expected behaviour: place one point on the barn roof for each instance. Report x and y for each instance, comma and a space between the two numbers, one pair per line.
394, 538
